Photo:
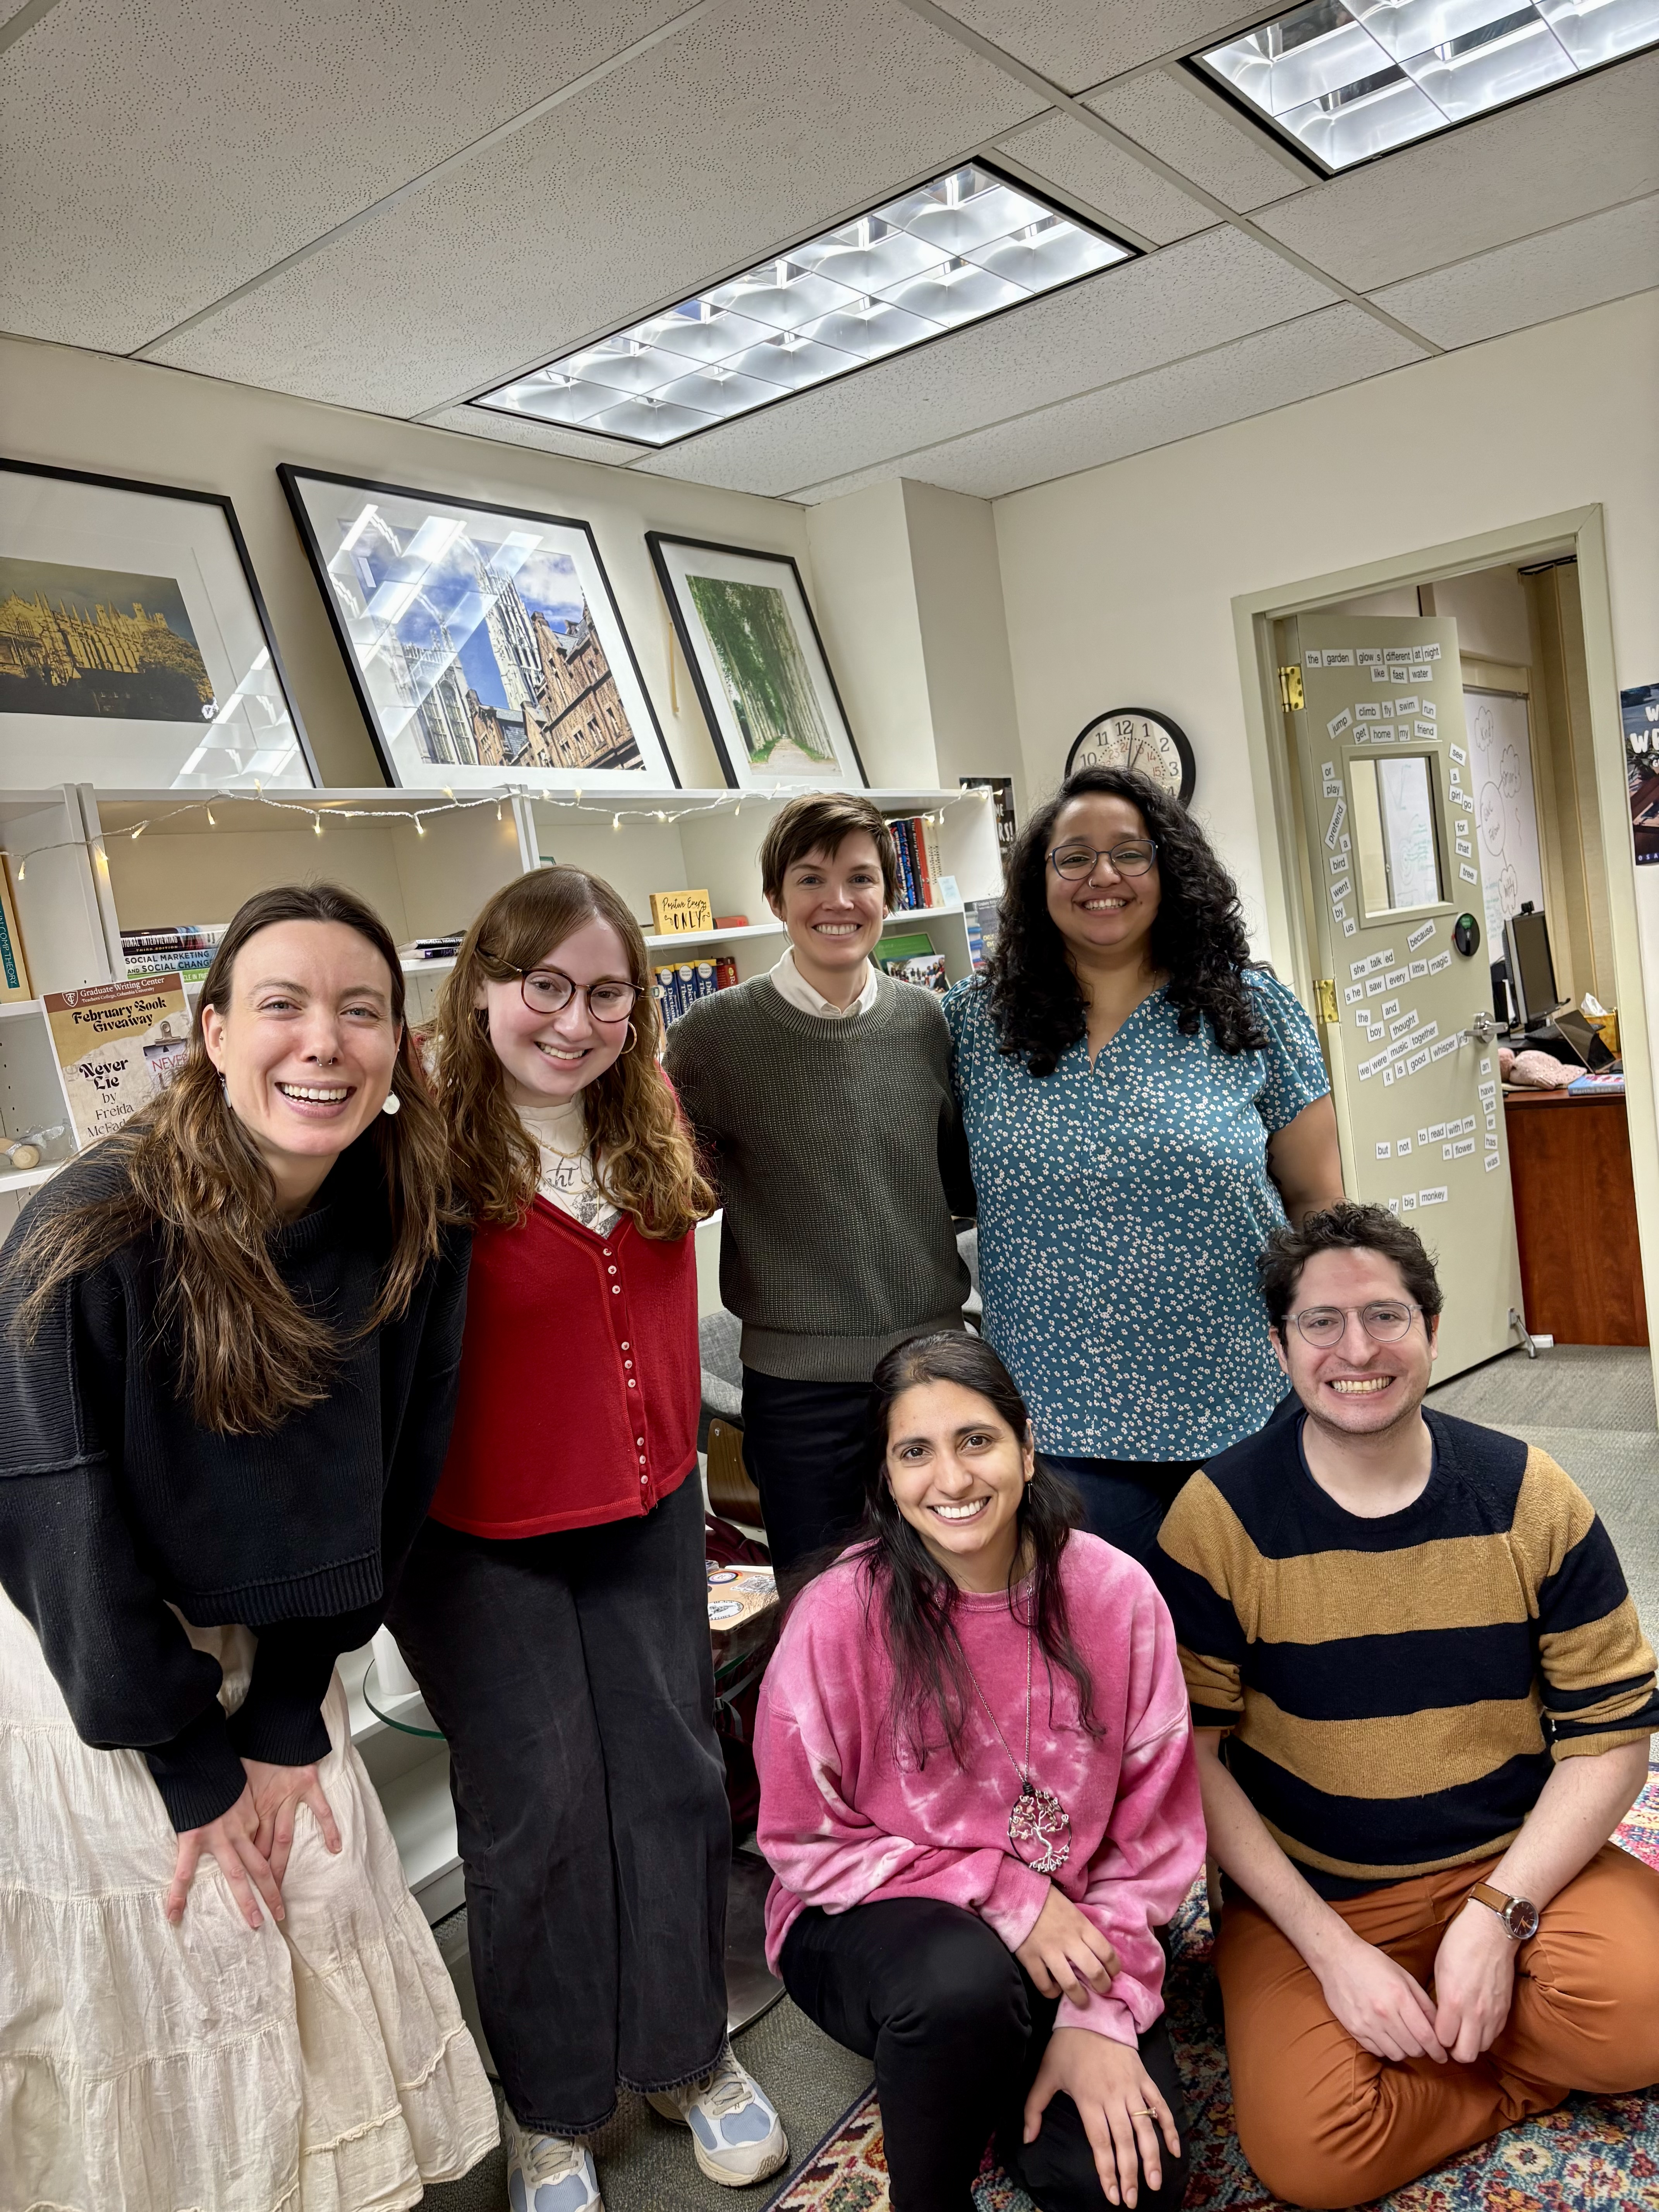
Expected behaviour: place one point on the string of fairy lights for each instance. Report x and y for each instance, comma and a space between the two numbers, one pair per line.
732, 802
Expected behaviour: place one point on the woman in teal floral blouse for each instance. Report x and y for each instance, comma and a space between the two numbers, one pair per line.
1141, 1108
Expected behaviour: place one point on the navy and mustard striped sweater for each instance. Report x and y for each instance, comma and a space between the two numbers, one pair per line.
1396, 1689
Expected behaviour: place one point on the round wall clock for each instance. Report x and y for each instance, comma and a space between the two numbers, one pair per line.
1141, 738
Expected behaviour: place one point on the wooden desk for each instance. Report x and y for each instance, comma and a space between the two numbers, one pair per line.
1574, 1216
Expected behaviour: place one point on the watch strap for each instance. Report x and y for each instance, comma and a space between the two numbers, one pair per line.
1501, 1904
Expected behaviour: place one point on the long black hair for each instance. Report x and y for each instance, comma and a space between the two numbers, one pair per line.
916, 1599
1197, 938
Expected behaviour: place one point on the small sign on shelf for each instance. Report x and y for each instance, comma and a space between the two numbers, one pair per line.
681, 913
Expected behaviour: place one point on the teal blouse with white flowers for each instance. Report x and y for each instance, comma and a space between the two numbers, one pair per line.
1121, 1207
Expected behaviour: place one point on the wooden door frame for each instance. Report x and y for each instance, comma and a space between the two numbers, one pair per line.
1578, 532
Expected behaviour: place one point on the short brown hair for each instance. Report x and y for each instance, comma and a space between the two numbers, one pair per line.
1345, 1228
821, 821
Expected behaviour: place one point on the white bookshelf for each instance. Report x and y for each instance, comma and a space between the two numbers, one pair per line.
195, 857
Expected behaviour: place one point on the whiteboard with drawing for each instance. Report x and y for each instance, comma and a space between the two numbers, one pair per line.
1506, 808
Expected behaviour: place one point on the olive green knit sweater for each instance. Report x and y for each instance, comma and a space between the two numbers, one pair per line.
839, 1156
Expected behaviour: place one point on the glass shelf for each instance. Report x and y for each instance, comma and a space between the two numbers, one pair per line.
404, 1712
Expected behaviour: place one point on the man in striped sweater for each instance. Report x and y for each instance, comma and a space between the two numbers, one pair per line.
1423, 1702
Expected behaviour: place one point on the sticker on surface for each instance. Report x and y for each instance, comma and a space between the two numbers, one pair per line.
1440, 962
1426, 729
1469, 875
1351, 992
1456, 753
1379, 676
1436, 1197
1492, 1161
1408, 1204
1403, 1147
1405, 708
1418, 967
1419, 936
1338, 723
1430, 652
1337, 817
1313, 657
1344, 658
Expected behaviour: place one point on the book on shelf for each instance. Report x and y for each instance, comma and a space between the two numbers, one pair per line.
433, 948
920, 866
927, 969
911, 944
181, 948
683, 984
1001, 788
186, 963
14, 968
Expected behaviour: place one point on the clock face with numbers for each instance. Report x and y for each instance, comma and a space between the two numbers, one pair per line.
1140, 739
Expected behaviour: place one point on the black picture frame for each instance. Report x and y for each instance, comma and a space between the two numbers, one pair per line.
193, 495
742, 776
657, 772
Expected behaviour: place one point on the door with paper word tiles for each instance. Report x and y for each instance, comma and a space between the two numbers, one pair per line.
1397, 927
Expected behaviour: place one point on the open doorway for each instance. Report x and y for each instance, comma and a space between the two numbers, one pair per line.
1533, 714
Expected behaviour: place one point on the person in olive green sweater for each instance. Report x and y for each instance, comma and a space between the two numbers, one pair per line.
822, 1095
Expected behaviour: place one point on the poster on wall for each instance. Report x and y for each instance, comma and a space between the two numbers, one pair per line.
134, 647
758, 663
1639, 710
118, 1044
484, 641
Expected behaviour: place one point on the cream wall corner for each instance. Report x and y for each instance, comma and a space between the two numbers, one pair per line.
1119, 582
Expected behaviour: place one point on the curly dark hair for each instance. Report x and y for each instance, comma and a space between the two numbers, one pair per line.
1345, 1228
1197, 938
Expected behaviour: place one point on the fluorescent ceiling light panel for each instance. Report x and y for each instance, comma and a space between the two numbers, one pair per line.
1347, 80
967, 245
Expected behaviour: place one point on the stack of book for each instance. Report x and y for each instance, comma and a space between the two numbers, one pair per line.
680, 986
915, 847
433, 948
184, 948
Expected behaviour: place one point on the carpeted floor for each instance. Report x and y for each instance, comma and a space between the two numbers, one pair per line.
1593, 1410
1594, 2155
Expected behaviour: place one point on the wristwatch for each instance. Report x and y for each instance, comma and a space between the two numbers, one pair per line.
1518, 1914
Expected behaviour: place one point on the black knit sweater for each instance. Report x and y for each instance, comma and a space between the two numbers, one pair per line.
115, 1505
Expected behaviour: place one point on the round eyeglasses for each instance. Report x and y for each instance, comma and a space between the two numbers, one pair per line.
549, 991
1385, 1321
1074, 863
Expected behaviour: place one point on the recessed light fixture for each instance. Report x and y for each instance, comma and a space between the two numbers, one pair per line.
1346, 82
948, 253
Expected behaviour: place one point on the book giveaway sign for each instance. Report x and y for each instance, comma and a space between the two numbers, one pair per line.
118, 1044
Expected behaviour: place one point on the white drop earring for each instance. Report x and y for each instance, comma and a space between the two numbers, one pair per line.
392, 1103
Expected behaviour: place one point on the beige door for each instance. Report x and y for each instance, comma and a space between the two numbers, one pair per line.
1397, 928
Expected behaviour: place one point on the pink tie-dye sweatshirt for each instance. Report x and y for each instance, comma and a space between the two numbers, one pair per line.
845, 1822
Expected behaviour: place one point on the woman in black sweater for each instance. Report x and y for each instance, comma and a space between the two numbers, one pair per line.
230, 1339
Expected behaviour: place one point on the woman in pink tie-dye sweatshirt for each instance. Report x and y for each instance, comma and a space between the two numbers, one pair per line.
979, 1799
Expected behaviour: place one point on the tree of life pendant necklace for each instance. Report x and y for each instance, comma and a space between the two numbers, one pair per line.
1037, 1817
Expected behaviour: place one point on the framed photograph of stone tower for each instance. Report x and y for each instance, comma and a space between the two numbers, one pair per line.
135, 651
484, 641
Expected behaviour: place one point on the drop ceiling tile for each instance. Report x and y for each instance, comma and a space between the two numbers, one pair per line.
1565, 153
1272, 368
1118, 187
1078, 43
545, 437
1602, 256
1173, 119
156, 154
755, 126
1191, 295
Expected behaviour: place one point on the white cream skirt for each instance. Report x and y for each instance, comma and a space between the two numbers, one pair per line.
318, 2066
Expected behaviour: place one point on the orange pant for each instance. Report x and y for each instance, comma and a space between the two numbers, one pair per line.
1325, 2124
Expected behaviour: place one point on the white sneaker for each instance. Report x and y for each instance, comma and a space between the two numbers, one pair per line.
736, 2135
549, 2173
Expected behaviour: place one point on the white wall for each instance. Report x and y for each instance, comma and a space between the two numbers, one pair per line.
1119, 582
85, 410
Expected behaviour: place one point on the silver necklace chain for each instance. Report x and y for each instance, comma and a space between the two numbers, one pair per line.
1037, 1815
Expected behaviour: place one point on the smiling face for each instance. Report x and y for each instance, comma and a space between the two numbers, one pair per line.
1105, 913
548, 1058
307, 1046
1357, 1387
957, 1473
832, 907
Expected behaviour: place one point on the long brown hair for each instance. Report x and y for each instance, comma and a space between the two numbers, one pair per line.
643, 1155
249, 1355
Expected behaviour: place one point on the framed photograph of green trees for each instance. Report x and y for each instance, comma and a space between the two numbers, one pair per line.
755, 657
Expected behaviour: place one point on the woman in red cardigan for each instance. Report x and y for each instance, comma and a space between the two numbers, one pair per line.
554, 1609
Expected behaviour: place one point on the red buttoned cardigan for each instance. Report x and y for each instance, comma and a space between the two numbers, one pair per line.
580, 1382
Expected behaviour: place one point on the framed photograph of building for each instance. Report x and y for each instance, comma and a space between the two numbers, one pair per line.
135, 651
484, 641
758, 663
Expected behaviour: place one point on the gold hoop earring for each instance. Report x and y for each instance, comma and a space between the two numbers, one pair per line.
633, 1038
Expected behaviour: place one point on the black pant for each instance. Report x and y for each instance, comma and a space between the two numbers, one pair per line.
805, 1446
957, 2031
1125, 1500
571, 1676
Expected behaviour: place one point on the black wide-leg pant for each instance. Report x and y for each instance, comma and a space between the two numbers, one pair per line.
571, 1676
957, 2031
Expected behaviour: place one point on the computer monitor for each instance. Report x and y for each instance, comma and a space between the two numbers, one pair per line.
1531, 969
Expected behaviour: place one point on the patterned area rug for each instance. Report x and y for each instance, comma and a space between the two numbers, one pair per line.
1594, 2155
